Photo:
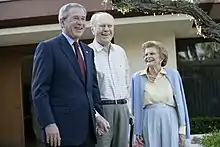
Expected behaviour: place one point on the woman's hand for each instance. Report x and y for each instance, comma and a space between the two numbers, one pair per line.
182, 140
139, 142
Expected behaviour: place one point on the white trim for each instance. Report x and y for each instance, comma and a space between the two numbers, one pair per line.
29, 29
152, 19
34, 34
118, 21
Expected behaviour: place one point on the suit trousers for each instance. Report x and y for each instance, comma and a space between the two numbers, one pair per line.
90, 142
90, 139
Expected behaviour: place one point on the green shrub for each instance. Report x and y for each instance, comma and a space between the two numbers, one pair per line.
211, 140
204, 125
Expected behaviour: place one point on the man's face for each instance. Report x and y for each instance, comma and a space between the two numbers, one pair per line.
74, 24
104, 29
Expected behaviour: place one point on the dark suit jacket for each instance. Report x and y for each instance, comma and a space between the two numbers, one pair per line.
60, 95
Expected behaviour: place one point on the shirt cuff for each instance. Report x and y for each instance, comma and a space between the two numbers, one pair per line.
129, 105
182, 130
97, 114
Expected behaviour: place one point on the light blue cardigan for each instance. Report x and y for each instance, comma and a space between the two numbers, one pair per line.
137, 94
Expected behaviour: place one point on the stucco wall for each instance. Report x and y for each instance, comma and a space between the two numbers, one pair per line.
132, 41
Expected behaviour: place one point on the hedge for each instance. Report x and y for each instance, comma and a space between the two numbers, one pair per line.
204, 125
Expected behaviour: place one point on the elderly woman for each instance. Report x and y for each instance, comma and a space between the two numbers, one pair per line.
158, 101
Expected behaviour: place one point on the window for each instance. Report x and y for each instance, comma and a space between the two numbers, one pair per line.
198, 62
200, 51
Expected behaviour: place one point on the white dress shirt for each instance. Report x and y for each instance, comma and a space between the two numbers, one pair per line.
71, 41
112, 72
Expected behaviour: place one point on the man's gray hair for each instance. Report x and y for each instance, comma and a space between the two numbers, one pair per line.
94, 17
63, 12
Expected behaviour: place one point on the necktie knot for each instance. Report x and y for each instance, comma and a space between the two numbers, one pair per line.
77, 51
75, 44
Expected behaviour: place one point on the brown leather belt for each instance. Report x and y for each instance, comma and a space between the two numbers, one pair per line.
112, 102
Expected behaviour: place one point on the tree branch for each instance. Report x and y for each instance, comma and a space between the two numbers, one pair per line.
204, 24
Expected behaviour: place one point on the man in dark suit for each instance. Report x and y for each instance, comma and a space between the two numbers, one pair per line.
65, 92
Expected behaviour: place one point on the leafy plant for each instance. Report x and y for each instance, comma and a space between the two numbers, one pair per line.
205, 26
204, 125
211, 140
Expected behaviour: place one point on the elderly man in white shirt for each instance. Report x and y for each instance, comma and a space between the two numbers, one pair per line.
113, 79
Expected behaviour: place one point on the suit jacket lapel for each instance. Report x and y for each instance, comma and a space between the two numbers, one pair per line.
68, 51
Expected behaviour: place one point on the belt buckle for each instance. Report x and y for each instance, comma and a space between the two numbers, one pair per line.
116, 102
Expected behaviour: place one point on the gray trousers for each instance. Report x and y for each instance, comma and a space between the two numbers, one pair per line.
118, 118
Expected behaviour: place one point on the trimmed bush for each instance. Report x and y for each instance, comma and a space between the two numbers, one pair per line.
204, 125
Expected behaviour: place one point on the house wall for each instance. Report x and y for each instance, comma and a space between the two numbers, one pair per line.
132, 46
13, 63
132, 40
13, 15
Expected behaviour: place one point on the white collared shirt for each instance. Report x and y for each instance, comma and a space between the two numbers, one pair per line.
112, 71
71, 41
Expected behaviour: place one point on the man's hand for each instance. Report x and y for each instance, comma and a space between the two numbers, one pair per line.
102, 125
53, 135
182, 139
